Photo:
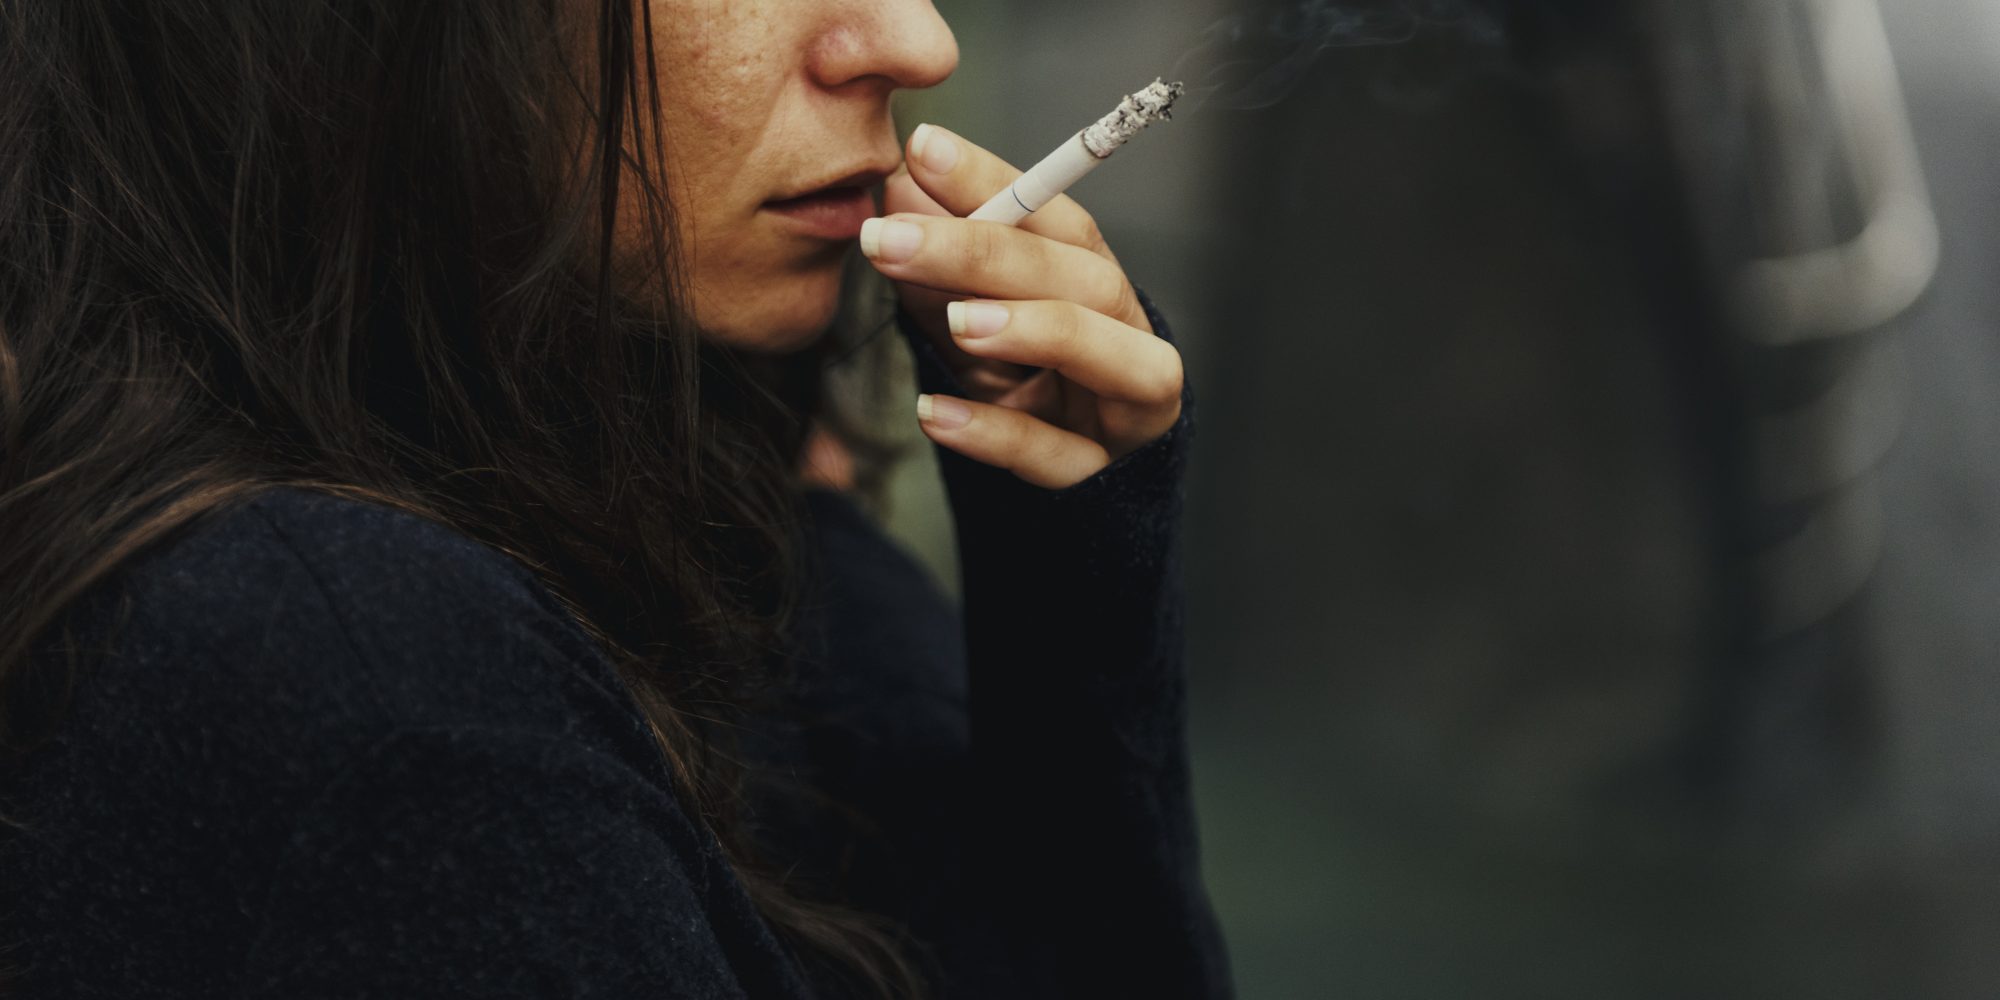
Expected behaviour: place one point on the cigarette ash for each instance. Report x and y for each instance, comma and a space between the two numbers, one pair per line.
1155, 103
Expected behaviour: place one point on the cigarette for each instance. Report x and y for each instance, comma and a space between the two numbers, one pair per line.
1080, 155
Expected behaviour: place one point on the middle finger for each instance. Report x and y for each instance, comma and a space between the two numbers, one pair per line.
997, 261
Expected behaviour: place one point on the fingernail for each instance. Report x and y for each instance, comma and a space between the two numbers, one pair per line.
975, 319
934, 149
890, 241
942, 412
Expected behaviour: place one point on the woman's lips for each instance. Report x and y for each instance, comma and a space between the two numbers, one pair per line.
828, 214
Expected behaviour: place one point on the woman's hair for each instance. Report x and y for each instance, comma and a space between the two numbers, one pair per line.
355, 246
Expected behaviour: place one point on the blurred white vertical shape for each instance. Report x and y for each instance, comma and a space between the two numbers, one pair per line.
1839, 434
1813, 572
1848, 210
1864, 281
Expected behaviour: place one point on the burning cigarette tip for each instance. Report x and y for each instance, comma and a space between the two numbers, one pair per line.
1134, 113
1079, 155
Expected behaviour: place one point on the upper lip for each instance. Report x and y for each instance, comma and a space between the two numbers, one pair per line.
862, 178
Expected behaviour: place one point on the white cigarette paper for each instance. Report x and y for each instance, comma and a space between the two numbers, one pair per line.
1080, 155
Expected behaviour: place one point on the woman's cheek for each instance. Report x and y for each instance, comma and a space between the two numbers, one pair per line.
767, 303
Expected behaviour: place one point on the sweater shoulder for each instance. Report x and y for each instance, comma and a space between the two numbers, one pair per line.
262, 659
325, 612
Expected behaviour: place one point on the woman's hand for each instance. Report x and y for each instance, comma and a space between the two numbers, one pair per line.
994, 298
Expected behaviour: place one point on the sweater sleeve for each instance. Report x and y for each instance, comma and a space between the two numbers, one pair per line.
1080, 821
468, 862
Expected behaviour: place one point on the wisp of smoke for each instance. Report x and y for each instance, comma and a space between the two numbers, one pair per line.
1234, 66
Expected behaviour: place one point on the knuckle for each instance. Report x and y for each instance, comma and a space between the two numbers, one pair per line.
980, 247
1089, 235
1172, 379
1019, 448
1049, 450
1024, 448
1065, 329
1111, 292
1128, 302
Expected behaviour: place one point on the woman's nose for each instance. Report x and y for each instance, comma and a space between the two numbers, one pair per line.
904, 42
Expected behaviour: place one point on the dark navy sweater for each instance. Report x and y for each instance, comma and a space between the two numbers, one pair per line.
341, 751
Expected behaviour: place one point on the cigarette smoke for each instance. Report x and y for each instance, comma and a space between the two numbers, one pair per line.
1234, 67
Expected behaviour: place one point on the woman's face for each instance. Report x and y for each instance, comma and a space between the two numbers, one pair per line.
765, 100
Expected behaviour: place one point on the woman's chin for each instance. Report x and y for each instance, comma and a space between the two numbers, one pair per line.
782, 337
782, 326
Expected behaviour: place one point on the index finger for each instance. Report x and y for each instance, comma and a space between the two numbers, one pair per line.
961, 176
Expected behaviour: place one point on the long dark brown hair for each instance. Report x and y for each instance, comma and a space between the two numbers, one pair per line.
365, 247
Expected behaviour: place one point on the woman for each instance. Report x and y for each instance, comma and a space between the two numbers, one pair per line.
407, 582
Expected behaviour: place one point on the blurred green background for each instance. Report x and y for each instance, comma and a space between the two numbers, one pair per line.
1565, 621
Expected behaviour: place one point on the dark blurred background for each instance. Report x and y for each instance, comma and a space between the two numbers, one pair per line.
1593, 516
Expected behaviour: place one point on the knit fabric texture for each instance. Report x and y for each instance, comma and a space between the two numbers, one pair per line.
337, 750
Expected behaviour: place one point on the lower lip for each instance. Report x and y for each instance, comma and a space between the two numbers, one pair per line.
833, 215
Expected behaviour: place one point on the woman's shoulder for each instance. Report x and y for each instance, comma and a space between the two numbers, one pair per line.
327, 614
397, 568
357, 738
